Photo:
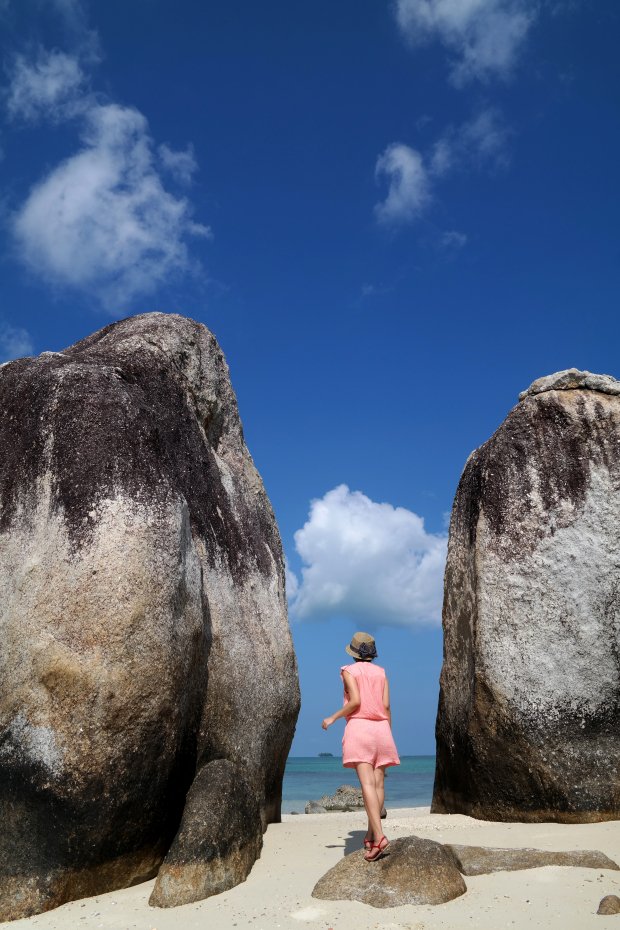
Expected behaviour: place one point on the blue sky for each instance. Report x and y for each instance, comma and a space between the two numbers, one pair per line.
393, 215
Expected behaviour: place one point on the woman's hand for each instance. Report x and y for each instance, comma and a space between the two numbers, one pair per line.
352, 704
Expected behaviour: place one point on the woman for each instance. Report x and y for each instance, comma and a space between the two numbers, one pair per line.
367, 744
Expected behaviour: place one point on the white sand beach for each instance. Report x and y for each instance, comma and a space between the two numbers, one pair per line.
297, 852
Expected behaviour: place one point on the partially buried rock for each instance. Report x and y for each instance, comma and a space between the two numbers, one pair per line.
218, 841
609, 905
143, 630
345, 798
313, 807
411, 871
481, 860
529, 708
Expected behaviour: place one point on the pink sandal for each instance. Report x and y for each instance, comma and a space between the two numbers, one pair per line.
367, 843
381, 846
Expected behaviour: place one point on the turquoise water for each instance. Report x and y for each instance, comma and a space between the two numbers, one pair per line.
409, 784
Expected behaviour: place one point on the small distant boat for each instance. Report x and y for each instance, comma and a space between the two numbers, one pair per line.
326, 755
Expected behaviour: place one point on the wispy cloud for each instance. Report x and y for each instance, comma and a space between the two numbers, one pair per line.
73, 14
45, 86
182, 165
484, 139
453, 239
481, 142
408, 184
369, 290
368, 562
14, 342
292, 582
412, 176
103, 221
71, 9
483, 37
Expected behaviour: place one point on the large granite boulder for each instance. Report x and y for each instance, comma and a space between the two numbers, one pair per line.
143, 623
529, 709
411, 871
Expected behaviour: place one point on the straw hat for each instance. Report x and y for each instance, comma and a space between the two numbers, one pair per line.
362, 647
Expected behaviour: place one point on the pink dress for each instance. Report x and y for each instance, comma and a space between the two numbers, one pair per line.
367, 734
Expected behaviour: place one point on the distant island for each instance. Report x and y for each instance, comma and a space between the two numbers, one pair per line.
322, 754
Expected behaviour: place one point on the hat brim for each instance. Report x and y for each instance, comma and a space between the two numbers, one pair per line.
356, 655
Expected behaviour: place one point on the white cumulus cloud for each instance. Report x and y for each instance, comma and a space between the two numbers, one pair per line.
102, 221
484, 37
15, 342
369, 562
409, 186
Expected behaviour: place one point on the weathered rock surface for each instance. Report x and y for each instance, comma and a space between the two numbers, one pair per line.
218, 841
420, 871
480, 860
344, 798
609, 905
313, 807
571, 379
143, 625
412, 871
529, 710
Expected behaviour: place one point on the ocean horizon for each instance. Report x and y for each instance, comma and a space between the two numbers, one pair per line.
308, 778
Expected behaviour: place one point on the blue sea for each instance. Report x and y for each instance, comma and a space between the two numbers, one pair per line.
409, 784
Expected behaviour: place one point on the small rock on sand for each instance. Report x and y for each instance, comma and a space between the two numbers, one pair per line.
610, 904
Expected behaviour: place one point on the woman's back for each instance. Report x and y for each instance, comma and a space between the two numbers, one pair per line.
370, 680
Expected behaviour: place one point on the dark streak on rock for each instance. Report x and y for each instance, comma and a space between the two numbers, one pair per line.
109, 416
547, 434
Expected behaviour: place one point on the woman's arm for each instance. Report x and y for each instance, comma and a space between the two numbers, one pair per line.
386, 700
352, 704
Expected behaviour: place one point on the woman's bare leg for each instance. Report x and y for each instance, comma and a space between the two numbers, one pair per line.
366, 775
380, 786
